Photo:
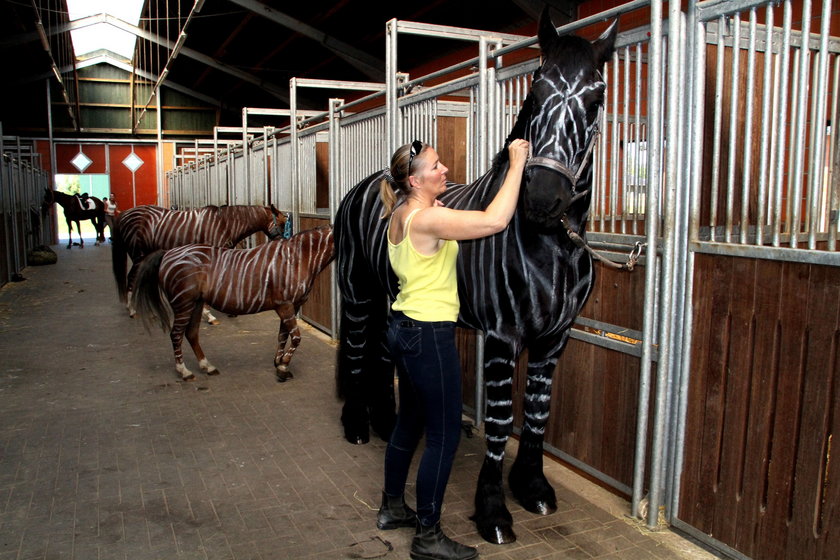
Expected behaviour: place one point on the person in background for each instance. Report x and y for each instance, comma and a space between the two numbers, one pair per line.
422, 248
110, 212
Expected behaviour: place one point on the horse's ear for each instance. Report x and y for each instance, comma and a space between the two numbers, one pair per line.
548, 32
274, 210
604, 46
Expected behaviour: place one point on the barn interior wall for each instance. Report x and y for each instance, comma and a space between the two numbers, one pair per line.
129, 189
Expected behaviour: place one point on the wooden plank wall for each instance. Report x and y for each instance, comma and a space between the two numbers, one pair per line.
316, 310
763, 408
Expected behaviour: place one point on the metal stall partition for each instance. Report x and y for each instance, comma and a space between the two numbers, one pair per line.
757, 401
318, 175
22, 186
306, 165
281, 174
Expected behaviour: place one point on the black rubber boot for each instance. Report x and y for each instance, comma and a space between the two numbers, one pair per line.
394, 513
431, 544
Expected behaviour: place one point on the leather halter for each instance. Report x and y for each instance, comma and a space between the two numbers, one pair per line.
574, 177
566, 171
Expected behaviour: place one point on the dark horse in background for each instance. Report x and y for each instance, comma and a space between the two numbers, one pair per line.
141, 230
522, 287
75, 209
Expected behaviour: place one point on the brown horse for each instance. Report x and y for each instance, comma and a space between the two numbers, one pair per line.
172, 287
144, 229
76, 209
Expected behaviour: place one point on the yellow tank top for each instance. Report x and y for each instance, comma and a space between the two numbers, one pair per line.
428, 283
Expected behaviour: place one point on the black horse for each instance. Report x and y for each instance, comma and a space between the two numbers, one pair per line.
77, 208
522, 287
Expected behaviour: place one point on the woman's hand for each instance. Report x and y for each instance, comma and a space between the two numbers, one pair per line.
518, 152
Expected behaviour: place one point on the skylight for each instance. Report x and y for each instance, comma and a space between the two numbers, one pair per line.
103, 36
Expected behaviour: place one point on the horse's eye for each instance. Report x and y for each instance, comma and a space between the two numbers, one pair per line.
592, 109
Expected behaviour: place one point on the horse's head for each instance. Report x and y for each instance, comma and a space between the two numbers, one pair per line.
276, 225
563, 112
47, 201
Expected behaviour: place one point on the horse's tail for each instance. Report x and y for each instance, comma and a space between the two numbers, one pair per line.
119, 260
148, 298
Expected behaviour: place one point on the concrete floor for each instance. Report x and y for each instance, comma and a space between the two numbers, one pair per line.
105, 453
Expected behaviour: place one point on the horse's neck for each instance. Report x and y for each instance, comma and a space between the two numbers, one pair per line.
478, 194
242, 221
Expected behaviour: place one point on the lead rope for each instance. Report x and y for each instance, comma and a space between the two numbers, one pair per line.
581, 243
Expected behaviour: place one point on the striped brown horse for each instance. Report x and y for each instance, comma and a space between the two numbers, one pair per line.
173, 286
142, 230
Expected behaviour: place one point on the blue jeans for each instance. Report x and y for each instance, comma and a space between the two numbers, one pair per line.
430, 399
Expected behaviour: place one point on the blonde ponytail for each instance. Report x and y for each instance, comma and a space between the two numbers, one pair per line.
388, 196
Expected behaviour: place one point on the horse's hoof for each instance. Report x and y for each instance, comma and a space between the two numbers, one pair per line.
213, 372
190, 377
215, 322
356, 439
498, 534
541, 507
283, 376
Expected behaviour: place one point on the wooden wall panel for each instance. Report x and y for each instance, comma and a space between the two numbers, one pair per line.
64, 154
762, 404
317, 308
141, 187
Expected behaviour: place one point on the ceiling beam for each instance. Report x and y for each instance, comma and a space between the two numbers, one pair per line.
122, 65
275, 90
367, 64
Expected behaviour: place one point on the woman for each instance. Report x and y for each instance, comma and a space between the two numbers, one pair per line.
110, 212
422, 247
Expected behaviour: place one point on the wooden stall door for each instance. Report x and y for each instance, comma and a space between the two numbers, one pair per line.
762, 410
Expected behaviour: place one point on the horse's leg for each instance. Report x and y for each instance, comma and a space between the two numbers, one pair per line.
132, 274
526, 479
208, 316
70, 233
288, 327
492, 518
182, 316
366, 370
81, 239
192, 336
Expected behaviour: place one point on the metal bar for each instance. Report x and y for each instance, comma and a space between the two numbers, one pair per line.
831, 258
694, 160
795, 194
651, 272
671, 304
834, 193
449, 32
817, 176
718, 123
748, 126
733, 127
782, 122
764, 166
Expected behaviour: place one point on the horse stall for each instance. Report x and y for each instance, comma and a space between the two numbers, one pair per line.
22, 185
701, 385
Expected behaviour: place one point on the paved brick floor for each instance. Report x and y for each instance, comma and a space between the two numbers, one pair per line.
105, 454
